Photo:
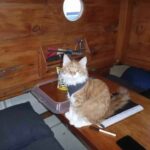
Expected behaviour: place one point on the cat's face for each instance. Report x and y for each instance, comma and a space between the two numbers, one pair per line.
74, 72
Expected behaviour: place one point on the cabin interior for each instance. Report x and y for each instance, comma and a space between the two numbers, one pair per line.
114, 32
117, 31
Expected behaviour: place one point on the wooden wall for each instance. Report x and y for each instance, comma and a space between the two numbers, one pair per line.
27, 25
137, 52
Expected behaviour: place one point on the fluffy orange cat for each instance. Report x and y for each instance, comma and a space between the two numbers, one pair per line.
90, 99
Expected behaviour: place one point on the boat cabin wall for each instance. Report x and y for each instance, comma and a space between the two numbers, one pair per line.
113, 30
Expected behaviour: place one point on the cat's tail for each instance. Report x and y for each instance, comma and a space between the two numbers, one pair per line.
118, 100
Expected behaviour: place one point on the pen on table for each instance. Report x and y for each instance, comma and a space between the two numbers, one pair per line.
94, 127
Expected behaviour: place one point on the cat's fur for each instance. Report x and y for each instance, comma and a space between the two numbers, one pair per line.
92, 102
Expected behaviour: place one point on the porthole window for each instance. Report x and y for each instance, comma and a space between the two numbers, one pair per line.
73, 9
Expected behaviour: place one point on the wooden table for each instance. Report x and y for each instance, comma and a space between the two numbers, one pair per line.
138, 125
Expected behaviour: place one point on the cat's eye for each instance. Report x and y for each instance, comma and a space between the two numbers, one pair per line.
73, 9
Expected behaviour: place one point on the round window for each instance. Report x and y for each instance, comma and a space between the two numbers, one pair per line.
73, 9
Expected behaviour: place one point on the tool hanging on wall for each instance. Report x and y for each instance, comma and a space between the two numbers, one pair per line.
60, 51
57, 53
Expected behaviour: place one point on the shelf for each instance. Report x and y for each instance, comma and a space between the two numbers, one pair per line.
51, 55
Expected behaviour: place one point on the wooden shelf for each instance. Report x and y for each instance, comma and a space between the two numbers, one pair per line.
47, 58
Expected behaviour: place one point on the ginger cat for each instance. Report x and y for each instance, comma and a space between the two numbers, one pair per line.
90, 99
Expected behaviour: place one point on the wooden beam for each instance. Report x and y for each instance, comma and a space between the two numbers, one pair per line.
125, 20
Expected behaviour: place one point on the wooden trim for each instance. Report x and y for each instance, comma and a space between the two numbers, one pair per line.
125, 20
46, 114
42, 63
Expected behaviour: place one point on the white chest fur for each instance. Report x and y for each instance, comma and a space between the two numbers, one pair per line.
74, 117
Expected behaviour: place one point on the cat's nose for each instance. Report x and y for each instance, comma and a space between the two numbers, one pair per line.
72, 73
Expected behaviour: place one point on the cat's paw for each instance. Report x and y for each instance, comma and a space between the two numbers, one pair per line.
67, 115
81, 124
71, 122
78, 125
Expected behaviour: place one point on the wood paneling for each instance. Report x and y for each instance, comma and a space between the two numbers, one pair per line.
18, 63
27, 25
18, 20
125, 19
138, 52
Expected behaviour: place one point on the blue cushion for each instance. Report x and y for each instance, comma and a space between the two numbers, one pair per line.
124, 83
20, 126
137, 77
48, 143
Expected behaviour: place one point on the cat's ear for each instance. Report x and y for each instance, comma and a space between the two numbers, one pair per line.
66, 60
83, 62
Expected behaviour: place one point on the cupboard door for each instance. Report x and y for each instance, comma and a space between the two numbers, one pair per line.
18, 65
